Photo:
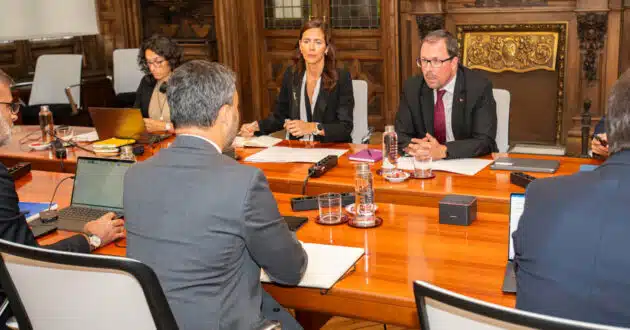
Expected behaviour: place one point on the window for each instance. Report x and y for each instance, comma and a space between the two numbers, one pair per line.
286, 14
355, 14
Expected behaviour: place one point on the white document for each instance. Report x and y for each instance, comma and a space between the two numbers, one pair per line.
86, 137
466, 166
293, 155
263, 141
326, 265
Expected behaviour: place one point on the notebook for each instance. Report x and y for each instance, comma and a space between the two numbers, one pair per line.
98, 189
525, 165
517, 204
31, 210
326, 265
367, 155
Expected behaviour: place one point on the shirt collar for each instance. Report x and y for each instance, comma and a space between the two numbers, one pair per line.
205, 139
450, 87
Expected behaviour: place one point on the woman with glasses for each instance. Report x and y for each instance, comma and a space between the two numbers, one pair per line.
158, 57
449, 111
316, 99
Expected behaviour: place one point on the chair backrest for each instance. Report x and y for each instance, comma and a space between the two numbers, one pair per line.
127, 73
443, 309
53, 73
502, 98
360, 114
61, 290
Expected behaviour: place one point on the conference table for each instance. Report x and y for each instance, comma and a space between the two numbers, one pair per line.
409, 245
491, 187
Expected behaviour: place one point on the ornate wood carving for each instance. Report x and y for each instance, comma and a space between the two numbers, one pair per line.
510, 3
428, 23
592, 28
559, 29
510, 51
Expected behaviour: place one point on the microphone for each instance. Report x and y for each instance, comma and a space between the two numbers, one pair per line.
366, 138
322, 166
163, 88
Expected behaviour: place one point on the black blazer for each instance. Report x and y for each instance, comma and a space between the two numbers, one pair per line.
13, 226
571, 246
143, 94
333, 109
474, 114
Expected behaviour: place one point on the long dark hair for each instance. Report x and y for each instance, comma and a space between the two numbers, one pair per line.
329, 74
163, 46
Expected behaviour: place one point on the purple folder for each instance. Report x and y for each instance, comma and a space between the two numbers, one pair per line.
367, 155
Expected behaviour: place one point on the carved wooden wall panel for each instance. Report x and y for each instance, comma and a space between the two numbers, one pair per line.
624, 49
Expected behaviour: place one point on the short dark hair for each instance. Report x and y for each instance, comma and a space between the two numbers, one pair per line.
197, 90
449, 39
163, 46
618, 118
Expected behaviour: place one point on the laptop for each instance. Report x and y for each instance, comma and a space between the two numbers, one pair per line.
525, 165
517, 204
123, 123
98, 189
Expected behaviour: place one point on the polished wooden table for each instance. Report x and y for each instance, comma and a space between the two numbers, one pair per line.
410, 245
492, 188
17, 150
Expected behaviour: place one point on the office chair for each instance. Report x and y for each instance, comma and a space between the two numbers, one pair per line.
361, 133
50, 289
57, 83
443, 309
502, 98
127, 76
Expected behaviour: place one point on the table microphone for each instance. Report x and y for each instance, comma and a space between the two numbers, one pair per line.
163, 88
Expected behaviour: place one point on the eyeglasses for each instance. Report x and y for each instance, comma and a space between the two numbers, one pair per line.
317, 42
435, 63
13, 106
156, 63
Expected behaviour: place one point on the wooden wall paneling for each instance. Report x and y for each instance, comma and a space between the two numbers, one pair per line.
390, 27
610, 67
624, 48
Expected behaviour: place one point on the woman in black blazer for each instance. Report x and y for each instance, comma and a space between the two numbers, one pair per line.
158, 57
316, 99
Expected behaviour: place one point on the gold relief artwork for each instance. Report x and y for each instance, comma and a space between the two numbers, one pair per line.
510, 51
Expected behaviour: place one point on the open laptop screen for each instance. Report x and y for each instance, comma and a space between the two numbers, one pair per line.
99, 183
517, 204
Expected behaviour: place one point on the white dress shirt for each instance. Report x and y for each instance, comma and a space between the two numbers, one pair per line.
205, 139
448, 106
303, 116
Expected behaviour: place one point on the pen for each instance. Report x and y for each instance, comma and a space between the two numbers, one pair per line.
369, 152
603, 142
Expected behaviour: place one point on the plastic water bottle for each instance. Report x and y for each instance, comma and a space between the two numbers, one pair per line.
46, 124
364, 195
390, 149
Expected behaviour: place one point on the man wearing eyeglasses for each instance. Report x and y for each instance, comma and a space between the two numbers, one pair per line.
448, 111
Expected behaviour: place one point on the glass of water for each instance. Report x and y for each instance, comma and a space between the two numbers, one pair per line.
329, 208
422, 166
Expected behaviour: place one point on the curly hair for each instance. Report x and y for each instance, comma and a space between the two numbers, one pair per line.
329, 75
163, 46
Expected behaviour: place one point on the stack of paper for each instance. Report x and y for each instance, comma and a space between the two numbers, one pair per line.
293, 155
86, 137
466, 166
326, 265
263, 141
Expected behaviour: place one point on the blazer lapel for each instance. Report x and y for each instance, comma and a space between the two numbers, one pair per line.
296, 95
320, 105
459, 102
427, 107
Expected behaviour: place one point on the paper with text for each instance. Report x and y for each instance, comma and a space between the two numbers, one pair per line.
293, 155
466, 166
263, 141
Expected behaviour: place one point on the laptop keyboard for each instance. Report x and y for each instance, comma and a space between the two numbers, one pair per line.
76, 213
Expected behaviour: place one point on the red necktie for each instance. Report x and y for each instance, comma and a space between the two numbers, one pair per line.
439, 122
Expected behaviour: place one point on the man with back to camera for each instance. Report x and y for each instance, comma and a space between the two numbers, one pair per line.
13, 225
571, 259
449, 111
205, 223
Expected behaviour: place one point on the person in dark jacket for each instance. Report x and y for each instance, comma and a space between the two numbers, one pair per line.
158, 57
316, 99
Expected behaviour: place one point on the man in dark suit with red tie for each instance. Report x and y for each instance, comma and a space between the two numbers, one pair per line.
449, 111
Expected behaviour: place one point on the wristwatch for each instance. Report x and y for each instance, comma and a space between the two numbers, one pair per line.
95, 241
318, 129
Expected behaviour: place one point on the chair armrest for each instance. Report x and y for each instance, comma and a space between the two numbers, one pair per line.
22, 84
73, 104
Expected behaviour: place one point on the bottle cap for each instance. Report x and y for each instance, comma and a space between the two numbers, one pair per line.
389, 128
362, 167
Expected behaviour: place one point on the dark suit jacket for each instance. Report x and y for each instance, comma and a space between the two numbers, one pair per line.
333, 109
207, 248
601, 126
474, 115
572, 243
13, 226
143, 94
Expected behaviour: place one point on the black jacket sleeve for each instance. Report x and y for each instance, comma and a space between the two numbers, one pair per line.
143, 95
275, 121
341, 129
404, 123
484, 129
601, 126
13, 226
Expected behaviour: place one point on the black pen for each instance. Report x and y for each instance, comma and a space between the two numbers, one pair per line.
369, 152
